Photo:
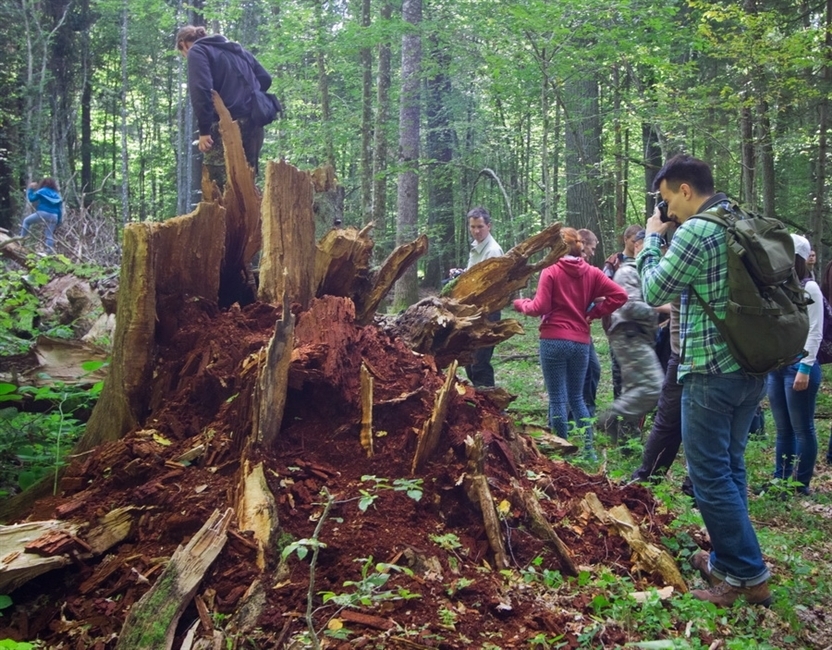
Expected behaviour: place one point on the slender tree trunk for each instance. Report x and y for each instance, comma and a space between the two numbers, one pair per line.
439, 143
125, 199
380, 132
821, 172
406, 292
323, 84
748, 161
618, 146
766, 158
366, 119
545, 175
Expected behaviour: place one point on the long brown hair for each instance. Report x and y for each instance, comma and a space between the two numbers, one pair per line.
573, 240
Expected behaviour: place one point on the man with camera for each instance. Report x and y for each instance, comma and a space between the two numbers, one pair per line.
718, 399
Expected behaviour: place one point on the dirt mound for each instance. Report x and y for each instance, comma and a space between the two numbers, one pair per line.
185, 463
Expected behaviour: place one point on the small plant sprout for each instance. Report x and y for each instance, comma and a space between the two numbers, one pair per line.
411, 486
368, 590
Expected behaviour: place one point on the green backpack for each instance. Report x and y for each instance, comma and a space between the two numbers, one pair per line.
766, 322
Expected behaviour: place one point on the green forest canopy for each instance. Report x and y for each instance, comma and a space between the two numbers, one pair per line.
539, 110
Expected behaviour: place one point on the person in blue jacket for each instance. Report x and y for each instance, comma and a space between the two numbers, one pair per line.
48, 204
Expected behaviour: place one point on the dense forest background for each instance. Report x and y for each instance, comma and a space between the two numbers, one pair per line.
539, 110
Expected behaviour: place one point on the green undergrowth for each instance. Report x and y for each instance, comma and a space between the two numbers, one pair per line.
795, 533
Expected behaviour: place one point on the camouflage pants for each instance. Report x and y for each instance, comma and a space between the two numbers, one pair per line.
214, 158
641, 373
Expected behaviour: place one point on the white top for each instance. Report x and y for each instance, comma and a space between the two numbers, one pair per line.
486, 249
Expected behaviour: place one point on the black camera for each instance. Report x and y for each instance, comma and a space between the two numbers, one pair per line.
662, 206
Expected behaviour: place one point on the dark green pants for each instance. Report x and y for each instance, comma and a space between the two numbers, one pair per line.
214, 159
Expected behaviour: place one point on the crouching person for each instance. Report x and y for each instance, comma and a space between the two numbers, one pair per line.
632, 336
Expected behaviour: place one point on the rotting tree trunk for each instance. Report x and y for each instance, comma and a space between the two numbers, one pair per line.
152, 621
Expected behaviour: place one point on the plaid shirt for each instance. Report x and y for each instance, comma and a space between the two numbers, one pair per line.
697, 259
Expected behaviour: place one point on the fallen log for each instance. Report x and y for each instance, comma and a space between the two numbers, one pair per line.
152, 621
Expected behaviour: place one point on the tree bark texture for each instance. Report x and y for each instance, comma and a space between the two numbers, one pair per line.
409, 133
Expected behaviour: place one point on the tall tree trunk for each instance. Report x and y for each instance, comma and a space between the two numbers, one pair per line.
545, 175
125, 199
323, 84
583, 153
380, 132
652, 161
366, 118
766, 158
408, 195
819, 206
439, 143
618, 146
748, 160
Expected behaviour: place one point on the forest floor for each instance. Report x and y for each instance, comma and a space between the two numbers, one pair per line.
372, 555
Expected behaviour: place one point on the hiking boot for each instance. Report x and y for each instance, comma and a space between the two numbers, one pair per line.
701, 561
725, 595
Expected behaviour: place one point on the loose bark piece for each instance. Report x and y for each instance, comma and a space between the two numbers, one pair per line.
491, 283
431, 430
273, 379
112, 528
287, 264
478, 492
152, 621
249, 610
17, 567
59, 361
376, 622
540, 526
391, 270
647, 557
366, 435
544, 437
257, 509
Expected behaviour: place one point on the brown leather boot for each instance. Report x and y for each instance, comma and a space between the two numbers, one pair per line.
726, 595
701, 562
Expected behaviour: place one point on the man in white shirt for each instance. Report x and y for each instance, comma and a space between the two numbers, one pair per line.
484, 247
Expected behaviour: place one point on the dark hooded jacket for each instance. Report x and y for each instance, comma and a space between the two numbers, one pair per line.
215, 63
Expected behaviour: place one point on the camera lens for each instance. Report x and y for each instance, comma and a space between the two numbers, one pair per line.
662, 206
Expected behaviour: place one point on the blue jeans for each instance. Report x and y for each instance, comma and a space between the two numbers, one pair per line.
716, 413
48, 219
592, 379
793, 411
564, 365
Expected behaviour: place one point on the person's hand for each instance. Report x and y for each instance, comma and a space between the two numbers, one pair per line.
33, 186
656, 225
517, 304
205, 143
453, 273
801, 381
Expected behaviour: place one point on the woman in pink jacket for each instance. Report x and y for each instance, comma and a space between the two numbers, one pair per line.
570, 294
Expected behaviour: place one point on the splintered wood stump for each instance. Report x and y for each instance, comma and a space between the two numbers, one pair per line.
432, 429
257, 509
152, 621
478, 492
287, 265
366, 410
272, 380
448, 329
158, 273
540, 526
646, 556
